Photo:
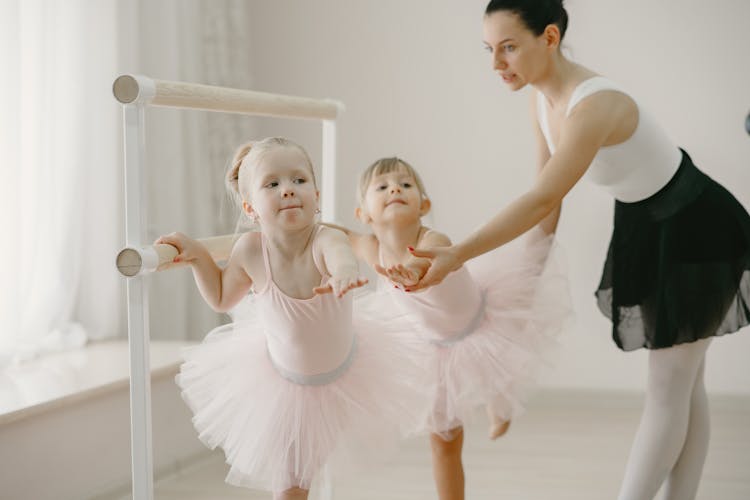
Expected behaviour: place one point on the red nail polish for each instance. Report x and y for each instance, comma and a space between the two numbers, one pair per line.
411, 249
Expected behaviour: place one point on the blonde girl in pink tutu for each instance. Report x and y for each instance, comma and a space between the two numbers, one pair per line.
300, 380
486, 326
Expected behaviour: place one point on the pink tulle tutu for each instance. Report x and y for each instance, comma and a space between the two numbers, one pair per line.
497, 360
278, 434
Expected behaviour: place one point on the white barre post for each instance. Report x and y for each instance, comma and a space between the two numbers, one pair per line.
138, 327
328, 172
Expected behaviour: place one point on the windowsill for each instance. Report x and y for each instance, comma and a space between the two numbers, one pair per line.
60, 379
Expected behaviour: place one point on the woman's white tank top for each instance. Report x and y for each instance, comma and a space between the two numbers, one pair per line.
632, 170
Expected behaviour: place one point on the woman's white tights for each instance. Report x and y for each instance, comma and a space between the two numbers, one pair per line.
672, 438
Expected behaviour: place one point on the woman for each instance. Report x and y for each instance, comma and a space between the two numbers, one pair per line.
677, 272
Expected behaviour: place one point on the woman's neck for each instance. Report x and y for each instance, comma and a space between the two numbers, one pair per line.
560, 79
289, 245
394, 239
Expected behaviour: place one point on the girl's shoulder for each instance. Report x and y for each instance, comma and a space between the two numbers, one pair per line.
368, 249
248, 242
432, 238
248, 249
369, 240
247, 255
327, 234
325, 237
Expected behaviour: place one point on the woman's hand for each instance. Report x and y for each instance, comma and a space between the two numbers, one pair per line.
339, 285
443, 260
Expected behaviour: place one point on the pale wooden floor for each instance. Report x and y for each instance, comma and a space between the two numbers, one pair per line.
568, 446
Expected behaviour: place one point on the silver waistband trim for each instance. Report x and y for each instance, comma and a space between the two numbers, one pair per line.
445, 342
318, 378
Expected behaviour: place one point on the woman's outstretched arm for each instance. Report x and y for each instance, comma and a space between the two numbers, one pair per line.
549, 223
583, 133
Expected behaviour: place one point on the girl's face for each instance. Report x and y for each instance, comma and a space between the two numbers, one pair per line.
393, 197
283, 190
518, 56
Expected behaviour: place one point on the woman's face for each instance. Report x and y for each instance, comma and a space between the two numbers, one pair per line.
518, 56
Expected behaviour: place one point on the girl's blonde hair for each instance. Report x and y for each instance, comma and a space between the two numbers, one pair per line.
250, 154
385, 166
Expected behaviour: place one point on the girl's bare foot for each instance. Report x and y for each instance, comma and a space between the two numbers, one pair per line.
498, 427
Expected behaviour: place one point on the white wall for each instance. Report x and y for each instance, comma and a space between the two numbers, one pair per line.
417, 83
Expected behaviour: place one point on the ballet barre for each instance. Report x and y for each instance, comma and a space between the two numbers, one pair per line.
132, 261
137, 259
129, 89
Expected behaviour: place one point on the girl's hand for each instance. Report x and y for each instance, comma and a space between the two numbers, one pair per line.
188, 249
406, 276
340, 285
443, 260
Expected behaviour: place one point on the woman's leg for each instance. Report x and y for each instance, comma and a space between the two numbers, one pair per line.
682, 483
662, 431
446, 464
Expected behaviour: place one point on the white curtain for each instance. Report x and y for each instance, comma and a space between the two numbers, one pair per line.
61, 200
60, 177
188, 151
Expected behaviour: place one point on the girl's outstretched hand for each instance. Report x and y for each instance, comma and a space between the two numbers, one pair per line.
188, 249
443, 260
340, 285
400, 275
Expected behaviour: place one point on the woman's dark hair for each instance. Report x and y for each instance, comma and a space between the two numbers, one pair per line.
536, 14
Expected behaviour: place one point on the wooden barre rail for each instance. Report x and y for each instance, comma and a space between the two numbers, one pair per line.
136, 89
134, 261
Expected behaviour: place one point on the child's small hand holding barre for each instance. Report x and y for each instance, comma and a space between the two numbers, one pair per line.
221, 288
189, 250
